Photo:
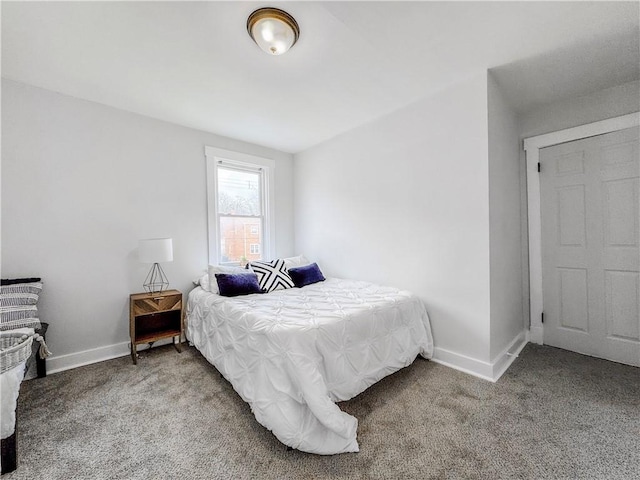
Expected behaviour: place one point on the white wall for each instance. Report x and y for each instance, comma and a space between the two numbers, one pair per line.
608, 103
504, 217
81, 183
404, 201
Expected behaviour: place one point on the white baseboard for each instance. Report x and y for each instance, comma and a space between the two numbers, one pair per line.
490, 371
504, 360
465, 364
60, 363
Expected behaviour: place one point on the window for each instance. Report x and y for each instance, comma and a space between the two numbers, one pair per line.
240, 211
238, 196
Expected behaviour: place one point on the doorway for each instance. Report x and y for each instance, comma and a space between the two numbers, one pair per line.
584, 244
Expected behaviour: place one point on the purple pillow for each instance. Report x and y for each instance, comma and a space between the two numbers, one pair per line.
306, 275
234, 284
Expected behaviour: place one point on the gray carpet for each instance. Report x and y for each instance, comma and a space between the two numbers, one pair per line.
554, 414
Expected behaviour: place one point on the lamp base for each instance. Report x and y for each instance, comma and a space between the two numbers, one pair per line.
156, 280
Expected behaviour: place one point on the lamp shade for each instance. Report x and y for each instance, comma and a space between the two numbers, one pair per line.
155, 250
274, 30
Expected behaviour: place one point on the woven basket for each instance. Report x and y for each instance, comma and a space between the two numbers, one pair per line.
14, 348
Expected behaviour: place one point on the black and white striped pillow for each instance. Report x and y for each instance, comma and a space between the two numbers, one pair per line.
272, 275
19, 317
18, 305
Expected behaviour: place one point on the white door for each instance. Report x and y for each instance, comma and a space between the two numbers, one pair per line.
590, 245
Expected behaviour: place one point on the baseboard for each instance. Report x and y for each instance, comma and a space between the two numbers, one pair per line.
504, 360
465, 364
61, 363
490, 371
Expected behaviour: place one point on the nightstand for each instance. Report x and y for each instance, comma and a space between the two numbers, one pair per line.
154, 316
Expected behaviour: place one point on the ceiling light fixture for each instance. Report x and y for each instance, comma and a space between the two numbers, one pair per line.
273, 30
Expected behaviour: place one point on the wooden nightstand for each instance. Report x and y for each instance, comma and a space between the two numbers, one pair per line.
153, 316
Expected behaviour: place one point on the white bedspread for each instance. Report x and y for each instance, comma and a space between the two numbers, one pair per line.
292, 353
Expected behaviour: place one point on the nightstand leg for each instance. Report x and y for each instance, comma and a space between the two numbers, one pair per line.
134, 353
177, 345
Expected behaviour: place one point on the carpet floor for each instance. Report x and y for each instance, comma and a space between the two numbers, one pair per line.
553, 415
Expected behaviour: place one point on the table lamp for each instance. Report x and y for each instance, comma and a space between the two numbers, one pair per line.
155, 250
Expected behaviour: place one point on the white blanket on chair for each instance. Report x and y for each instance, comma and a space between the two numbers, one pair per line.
9, 390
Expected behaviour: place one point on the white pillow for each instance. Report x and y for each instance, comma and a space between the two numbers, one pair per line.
299, 261
213, 269
203, 281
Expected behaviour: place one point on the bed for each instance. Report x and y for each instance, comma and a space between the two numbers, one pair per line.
292, 353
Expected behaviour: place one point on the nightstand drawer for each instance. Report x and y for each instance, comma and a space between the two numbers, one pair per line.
154, 304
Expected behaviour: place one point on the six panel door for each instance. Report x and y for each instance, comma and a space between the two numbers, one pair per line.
590, 245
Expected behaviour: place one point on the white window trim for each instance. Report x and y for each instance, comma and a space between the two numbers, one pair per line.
251, 245
532, 147
215, 155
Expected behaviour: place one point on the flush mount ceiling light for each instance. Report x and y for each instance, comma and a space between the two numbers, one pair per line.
273, 30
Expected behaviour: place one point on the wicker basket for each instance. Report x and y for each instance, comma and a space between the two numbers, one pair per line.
14, 348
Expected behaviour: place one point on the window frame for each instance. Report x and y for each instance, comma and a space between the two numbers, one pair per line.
216, 157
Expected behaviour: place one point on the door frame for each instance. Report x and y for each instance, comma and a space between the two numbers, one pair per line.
532, 146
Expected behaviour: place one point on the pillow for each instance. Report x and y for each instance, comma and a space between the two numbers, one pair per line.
272, 275
211, 285
299, 261
203, 281
306, 275
19, 317
20, 294
234, 284
18, 304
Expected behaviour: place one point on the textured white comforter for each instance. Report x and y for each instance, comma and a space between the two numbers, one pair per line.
292, 353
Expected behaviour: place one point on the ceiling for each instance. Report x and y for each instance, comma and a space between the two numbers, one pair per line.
192, 63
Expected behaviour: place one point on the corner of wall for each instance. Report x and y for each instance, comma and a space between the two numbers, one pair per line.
490, 371
505, 232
